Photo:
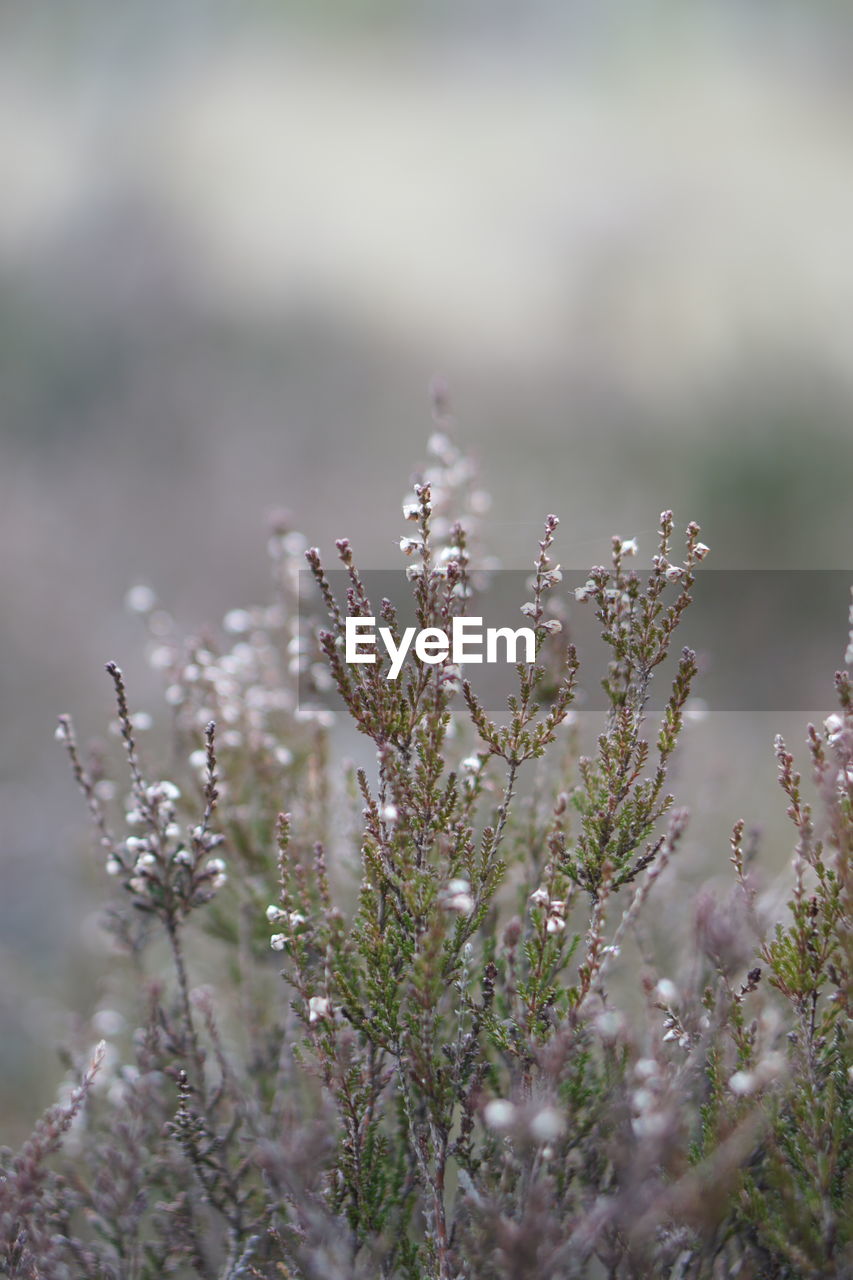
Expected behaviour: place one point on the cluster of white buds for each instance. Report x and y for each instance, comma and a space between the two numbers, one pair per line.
587, 591
450, 476
242, 684
673, 1030
215, 868
164, 858
293, 919
834, 726
555, 909
457, 897
649, 1120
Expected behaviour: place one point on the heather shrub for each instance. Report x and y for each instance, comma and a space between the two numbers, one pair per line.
406, 1019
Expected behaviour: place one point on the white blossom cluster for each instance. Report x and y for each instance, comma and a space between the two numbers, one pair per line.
164, 855
555, 909
458, 897
543, 1124
293, 919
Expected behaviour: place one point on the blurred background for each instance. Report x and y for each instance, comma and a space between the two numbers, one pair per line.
237, 242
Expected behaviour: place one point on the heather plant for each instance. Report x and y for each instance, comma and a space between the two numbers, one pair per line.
405, 1019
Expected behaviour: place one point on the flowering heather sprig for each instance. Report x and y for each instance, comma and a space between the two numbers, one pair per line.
620, 807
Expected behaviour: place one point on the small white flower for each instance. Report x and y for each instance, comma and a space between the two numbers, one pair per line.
414, 571
294, 543
277, 941
141, 721
499, 1114
390, 814
114, 867
553, 626
275, 914
215, 866
163, 790
140, 599
145, 862
547, 1125
138, 885
650, 1124
440, 446
834, 726
283, 756
319, 1007
556, 924
161, 657
236, 621
609, 1024
107, 1022
642, 1100
458, 897
471, 764
529, 609
630, 547
411, 510
409, 546
540, 897
701, 550
674, 573
742, 1082
666, 991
